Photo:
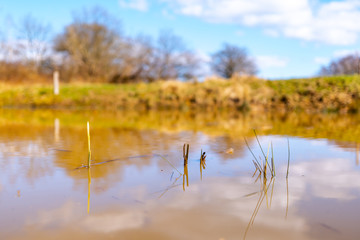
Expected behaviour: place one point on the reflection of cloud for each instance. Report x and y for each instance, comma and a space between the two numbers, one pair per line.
330, 178
114, 222
107, 222
233, 199
62, 215
227, 197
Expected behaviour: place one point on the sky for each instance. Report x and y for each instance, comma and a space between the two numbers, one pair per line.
287, 39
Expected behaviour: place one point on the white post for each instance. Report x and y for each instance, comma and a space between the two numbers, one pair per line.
56, 83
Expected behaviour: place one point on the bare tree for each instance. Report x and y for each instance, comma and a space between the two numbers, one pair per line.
32, 41
347, 65
232, 60
93, 42
136, 60
172, 59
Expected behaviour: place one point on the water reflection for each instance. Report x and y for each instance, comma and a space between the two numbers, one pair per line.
263, 193
136, 187
185, 177
89, 189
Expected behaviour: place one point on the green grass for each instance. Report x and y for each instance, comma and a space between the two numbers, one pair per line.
322, 94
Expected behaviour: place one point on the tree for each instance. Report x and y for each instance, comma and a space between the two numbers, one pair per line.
231, 60
347, 65
167, 58
171, 59
94, 48
136, 60
32, 43
93, 42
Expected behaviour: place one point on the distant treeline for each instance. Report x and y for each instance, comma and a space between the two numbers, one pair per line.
93, 48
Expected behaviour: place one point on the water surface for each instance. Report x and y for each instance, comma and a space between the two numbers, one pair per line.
136, 187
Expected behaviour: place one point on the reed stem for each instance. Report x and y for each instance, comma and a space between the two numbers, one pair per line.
89, 150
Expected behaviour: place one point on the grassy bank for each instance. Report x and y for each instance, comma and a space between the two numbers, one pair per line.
328, 94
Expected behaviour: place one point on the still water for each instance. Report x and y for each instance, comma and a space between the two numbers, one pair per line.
137, 189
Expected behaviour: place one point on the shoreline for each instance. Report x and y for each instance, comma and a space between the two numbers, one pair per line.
340, 94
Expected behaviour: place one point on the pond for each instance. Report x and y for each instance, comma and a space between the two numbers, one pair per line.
138, 187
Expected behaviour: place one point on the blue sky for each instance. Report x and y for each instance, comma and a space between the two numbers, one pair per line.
286, 38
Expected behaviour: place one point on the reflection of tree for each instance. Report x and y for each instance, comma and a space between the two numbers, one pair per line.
28, 137
28, 148
341, 129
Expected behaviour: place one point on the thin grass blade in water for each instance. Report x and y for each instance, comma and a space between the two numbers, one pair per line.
257, 139
89, 150
170, 164
255, 158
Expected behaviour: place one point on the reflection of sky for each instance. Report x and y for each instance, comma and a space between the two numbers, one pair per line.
221, 198
57, 198
300, 149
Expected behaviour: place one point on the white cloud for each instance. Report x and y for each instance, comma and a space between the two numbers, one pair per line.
344, 52
203, 56
271, 62
140, 5
272, 32
336, 55
332, 22
321, 60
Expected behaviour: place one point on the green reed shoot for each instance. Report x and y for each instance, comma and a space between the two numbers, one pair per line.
89, 150
186, 153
